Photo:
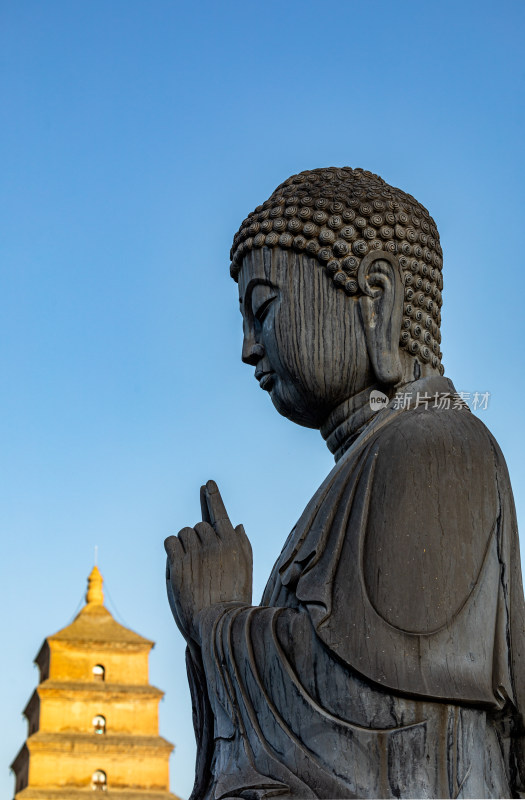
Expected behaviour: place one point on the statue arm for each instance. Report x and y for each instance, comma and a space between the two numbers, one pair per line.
432, 514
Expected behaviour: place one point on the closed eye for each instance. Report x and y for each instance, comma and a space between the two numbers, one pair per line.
262, 310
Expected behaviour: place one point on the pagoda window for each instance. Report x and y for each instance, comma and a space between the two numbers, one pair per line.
99, 673
99, 781
99, 724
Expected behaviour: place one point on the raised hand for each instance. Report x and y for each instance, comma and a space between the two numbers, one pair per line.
208, 564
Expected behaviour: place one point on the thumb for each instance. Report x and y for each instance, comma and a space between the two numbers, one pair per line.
241, 534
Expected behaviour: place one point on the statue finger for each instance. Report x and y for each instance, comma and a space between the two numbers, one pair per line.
173, 548
214, 510
206, 532
240, 533
204, 506
187, 537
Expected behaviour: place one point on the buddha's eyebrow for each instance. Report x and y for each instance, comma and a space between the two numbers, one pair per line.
252, 284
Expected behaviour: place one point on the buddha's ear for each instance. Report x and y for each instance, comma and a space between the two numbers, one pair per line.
381, 306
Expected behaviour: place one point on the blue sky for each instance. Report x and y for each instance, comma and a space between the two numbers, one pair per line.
136, 136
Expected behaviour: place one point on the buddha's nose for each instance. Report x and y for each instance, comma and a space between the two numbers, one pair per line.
252, 352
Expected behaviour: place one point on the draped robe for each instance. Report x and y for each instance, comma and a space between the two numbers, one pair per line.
386, 657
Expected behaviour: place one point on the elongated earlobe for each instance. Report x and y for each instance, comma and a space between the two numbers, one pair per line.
381, 307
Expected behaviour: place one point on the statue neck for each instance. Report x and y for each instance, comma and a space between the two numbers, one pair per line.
344, 424
347, 421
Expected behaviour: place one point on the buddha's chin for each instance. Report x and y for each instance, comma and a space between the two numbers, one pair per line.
292, 406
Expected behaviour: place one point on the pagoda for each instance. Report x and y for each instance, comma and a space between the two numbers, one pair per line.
93, 718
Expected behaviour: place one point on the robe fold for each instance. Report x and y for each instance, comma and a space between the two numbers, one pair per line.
386, 657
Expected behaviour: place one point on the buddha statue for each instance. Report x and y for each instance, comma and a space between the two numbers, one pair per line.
386, 656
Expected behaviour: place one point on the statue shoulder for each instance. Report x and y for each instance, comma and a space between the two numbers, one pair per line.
430, 430
433, 509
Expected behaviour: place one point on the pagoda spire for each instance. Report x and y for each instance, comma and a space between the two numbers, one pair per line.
95, 594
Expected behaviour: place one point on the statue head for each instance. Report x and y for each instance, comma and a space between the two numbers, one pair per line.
340, 286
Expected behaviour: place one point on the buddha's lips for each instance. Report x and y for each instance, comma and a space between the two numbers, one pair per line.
266, 380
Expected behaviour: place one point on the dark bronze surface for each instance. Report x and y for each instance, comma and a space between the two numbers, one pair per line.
386, 656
